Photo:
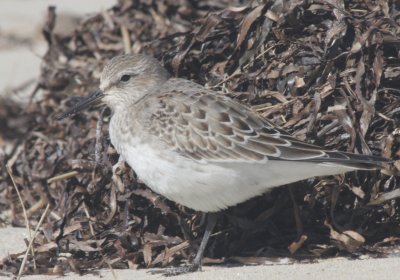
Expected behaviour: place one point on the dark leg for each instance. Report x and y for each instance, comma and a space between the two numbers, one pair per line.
211, 221
196, 265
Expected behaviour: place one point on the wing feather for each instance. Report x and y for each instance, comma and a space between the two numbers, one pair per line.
205, 126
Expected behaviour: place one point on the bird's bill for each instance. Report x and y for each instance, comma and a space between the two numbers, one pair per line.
82, 104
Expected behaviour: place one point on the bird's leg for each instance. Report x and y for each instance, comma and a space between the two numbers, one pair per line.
211, 221
196, 265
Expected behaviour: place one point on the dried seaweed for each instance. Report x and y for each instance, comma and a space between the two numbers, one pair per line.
326, 71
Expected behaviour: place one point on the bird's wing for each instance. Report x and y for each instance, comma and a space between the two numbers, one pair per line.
202, 125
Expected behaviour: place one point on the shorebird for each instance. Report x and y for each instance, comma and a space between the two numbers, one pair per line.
200, 148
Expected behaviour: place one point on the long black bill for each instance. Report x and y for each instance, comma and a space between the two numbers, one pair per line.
83, 103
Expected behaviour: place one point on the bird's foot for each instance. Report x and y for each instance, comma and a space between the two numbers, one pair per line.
183, 270
179, 270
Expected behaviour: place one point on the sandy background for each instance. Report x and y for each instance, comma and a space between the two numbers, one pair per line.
21, 47
21, 42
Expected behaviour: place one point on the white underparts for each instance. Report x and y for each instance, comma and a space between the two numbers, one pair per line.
211, 187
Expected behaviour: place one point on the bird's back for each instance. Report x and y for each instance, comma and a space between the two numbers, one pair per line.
204, 125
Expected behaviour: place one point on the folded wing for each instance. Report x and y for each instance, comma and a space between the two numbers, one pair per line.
204, 126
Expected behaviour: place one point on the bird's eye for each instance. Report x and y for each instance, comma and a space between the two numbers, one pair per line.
125, 78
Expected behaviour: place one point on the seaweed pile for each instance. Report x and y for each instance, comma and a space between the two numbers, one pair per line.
326, 71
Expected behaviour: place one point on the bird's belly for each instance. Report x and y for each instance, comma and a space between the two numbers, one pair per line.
199, 186
182, 180
211, 187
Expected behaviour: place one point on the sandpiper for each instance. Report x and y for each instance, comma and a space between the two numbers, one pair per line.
200, 148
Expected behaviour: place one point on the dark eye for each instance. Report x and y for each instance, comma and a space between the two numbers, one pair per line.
125, 78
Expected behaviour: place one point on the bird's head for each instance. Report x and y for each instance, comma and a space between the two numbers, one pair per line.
124, 80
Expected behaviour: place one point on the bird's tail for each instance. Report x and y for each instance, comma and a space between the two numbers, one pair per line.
356, 161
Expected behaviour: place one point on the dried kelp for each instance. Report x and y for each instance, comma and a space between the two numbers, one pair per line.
326, 71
